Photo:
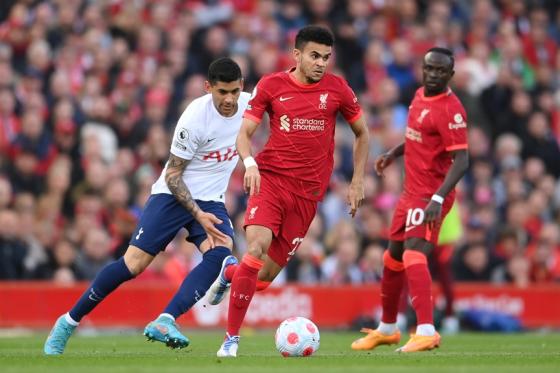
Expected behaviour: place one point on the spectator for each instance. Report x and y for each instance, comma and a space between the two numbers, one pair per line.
6, 193
95, 253
371, 263
90, 91
12, 249
474, 263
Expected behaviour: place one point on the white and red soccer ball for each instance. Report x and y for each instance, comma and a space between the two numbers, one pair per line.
297, 336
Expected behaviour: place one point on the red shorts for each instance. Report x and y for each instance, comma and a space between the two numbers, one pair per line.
287, 215
408, 219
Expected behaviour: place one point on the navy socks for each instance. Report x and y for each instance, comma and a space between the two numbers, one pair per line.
197, 282
106, 281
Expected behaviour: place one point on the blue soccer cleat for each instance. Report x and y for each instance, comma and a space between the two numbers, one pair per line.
59, 335
229, 347
163, 329
220, 286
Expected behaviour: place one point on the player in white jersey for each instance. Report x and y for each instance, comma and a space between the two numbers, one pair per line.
189, 194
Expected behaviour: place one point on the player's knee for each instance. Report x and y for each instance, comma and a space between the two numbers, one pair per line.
256, 250
419, 244
396, 250
205, 245
227, 243
392, 263
136, 260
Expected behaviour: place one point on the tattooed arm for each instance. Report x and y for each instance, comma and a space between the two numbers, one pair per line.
174, 180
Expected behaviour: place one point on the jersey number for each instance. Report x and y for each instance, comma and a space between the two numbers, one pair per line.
296, 242
414, 217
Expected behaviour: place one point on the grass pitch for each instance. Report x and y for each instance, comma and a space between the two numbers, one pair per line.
527, 353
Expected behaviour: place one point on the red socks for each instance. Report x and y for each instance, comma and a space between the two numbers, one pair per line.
443, 256
419, 285
391, 286
243, 288
230, 271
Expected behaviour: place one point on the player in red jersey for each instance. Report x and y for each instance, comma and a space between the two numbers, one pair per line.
291, 173
435, 159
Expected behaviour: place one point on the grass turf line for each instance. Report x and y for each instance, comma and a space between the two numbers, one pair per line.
126, 353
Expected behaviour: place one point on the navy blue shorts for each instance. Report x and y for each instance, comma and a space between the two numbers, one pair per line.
163, 217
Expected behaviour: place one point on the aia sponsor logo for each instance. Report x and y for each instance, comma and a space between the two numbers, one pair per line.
229, 155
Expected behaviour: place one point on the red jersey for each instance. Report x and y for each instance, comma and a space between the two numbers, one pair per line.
436, 126
302, 124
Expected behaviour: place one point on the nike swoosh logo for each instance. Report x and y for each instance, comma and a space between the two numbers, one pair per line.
209, 140
282, 99
406, 229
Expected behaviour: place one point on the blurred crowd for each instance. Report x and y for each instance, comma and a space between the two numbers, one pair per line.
90, 92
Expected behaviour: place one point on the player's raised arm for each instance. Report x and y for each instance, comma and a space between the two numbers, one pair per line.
252, 178
456, 172
361, 145
174, 180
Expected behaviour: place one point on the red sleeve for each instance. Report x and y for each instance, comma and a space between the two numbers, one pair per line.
453, 127
349, 106
259, 101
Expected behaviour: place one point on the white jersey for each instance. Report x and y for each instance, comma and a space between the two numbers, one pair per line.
207, 139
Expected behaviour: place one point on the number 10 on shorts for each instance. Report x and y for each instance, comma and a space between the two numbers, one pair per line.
414, 217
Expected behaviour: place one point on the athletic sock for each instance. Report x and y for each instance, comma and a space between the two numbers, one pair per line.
391, 286
263, 285
442, 257
419, 285
425, 329
387, 329
197, 282
106, 281
230, 271
243, 288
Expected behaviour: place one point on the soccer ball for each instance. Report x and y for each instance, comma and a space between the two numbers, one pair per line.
297, 336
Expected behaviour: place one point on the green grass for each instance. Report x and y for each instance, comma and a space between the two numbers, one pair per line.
527, 353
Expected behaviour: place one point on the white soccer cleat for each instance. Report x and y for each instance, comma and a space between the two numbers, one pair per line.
221, 285
229, 347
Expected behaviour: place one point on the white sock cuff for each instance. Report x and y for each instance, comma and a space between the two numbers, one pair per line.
387, 329
168, 315
70, 320
425, 329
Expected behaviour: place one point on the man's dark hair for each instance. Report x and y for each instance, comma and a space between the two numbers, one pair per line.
316, 34
444, 51
223, 70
